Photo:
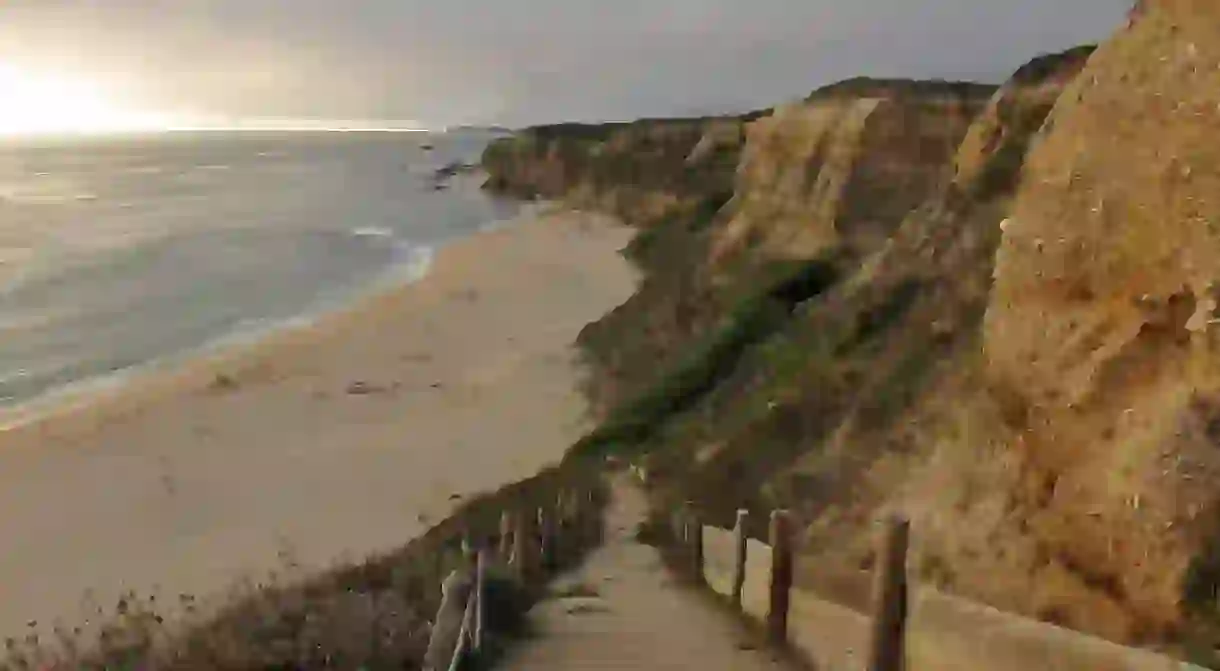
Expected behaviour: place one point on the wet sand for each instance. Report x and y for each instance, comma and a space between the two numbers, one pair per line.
320, 444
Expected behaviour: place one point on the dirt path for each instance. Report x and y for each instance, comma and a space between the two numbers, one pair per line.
625, 612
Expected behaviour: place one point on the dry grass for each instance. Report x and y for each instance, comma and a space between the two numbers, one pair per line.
373, 614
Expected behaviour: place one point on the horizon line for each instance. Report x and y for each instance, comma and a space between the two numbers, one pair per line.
298, 129
163, 130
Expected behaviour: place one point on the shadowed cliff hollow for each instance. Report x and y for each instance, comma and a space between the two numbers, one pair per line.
989, 307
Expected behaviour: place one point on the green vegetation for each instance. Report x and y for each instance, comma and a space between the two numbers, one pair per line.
709, 359
693, 376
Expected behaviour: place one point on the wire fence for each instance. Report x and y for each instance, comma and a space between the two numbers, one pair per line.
484, 599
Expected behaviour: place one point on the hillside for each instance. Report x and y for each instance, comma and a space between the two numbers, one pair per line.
1099, 334
987, 307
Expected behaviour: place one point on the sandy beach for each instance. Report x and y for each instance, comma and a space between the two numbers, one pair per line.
324, 443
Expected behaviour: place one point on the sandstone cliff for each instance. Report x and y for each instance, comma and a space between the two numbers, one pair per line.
741, 201
1099, 334
638, 170
844, 166
991, 309
862, 400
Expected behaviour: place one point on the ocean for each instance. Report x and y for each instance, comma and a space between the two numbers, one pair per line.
119, 254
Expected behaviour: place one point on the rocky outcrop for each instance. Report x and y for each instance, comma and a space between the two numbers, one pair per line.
638, 170
883, 352
846, 165
1099, 334
994, 149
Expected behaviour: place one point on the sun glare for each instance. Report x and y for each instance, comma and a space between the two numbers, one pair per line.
36, 103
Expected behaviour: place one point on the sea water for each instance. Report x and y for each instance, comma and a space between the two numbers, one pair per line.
121, 253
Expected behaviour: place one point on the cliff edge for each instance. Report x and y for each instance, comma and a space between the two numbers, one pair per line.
990, 308
1100, 338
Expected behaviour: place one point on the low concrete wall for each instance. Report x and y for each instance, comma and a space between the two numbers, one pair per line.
944, 633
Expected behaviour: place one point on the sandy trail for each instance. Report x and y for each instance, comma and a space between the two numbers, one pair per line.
329, 442
631, 615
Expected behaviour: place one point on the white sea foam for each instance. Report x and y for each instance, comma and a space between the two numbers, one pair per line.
412, 263
372, 232
127, 271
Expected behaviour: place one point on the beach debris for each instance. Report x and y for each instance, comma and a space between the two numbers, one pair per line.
586, 608
363, 388
453, 169
223, 382
442, 175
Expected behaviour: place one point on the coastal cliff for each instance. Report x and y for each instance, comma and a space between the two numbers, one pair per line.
1100, 334
639, 170
990, 308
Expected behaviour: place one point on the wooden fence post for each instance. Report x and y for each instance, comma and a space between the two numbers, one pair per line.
595, 520
576, 523
506, 535
525, 538
593, 517
546, 539
739, 562
890, 597
567, 506
480, 608
563, 524
781, 576
695, 540
438, 561
467, 548
448, 629
580, 530
459, 650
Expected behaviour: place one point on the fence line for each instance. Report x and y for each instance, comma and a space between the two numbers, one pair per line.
908, 629
531, 545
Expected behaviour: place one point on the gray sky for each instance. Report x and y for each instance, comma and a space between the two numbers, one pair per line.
514, 61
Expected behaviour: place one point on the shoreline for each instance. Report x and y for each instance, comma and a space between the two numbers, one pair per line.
98, 388
192, 477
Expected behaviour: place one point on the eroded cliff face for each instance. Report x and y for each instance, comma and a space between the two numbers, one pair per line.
995, 147
825, 179
1099, 335
1017, 348
844, 166
639, 171
872, 397
917, 428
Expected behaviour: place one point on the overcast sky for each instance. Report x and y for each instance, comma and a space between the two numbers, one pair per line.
514, 61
